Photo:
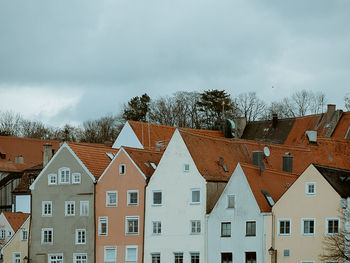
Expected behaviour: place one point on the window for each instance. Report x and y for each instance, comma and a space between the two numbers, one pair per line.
110, 255
157, 197
226, 229
250, 228
131, 254
186, 167
308, 226
55, 258
122, 169
76, 178
2, 234
310, 188
195, 196
10, 233
179, 257
16, 258
132, 225
230, 201
84, 208
133, 198
52, 179
46, 208
24, 235
194, 257
157, 227
47, 236
69, 208
226, 257
286, 253
332, 225
80, 236
80, 258
195, 226
111, 198
64, 175
284, 227
250, 257
155, 257
103, 226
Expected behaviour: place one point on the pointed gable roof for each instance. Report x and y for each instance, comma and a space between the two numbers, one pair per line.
16, 219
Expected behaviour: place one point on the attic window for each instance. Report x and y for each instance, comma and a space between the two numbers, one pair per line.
110, 155
230, 201
147, 164
122, 169
310, 188
186, 167
154, 166
268, 197
222, 164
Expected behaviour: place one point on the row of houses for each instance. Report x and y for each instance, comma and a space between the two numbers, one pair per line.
162, 194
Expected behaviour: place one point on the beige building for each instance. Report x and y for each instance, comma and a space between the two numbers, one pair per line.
308, 212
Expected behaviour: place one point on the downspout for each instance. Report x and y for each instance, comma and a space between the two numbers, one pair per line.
273, 257
94, 217
30, 225
206, 237
144, 220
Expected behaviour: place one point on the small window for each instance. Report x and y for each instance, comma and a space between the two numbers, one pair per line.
133, 198
2, 234
156, 227
64, 175
131, 254
84, 208
16, 257
103, 226
55, 258
250, 228
157, 197
230, 201
308, 227
286, 252
195, 196
195, 226
186, 167
110, 254
46, 208
80, 258
154, 166
179, 257
132, 225
310, 188
284, 227
226, 229
332, 225
10, 233
194, 257
47, 236
155, 257
226, 257
111, 198
52, 179
69, 208
24, 235
76, 178
122, 169
80, 236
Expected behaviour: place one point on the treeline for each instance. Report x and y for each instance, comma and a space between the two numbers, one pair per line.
200, 110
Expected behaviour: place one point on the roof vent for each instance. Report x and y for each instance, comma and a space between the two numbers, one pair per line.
258, 159
110, 155
19, 159
287, 163
312, 136
3, 155
222, 164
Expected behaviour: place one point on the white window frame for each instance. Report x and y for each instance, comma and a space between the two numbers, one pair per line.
121, 172
2, 234
326, 224
161, 197
196, 222
200, 196
49, 260
60, 175
156, 254
66, 210
128, 197
108, 204
102, 218
104, 254
49, 181
83, 236
180, 253
24, 235
195, 253
279, 226
127, 218
307, 188
228, 201
43, 204
42, 236
15, 256
156, 226
82, 204
76, 176
186, 167
126, 254
75, 255
302, 226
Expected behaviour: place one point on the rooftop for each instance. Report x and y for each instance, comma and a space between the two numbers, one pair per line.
16, 219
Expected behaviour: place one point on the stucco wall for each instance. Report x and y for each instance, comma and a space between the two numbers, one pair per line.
4, 224
127, 137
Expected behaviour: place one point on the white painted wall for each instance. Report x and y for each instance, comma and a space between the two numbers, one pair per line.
127, 137
246, 209
4, 224
176, 211
23, 203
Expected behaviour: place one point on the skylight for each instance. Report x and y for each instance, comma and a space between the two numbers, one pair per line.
110, 155
268, 197
154, 166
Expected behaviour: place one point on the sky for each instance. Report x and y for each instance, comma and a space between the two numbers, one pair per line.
69, 61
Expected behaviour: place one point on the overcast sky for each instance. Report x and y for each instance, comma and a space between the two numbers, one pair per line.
69, 61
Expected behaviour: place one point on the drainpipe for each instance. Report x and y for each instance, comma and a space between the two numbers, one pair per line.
144, 220
94, 217
273, 257
206, 237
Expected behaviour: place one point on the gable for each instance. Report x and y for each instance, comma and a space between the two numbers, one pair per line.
127, 137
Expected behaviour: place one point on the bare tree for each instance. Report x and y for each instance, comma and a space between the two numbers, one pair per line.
318, 103
10, 123
35, 129
347, 101
250, 106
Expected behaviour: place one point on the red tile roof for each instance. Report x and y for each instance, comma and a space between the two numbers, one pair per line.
343, 126
16, 219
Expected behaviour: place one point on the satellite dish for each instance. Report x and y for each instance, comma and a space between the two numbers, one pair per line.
266, 151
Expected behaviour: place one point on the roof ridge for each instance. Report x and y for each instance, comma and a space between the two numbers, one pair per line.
140, 150
28, 139
275, 171
92, 145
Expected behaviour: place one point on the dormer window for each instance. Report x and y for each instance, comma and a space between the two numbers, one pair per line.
310, 188
186, 167
64, 175
122, 169
52, 179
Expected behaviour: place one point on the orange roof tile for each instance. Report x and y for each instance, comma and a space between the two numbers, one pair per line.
343, 126
30, 149
93, 156
16, 219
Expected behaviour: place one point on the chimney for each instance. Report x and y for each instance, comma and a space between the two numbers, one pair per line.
274, 120
330, 112
287, 163
19, 159
47, 153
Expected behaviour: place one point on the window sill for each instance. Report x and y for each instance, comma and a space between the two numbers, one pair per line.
250, 235
157, 204
225, 236
195, 203
131, 234
133, 204
308, 235
284, 235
